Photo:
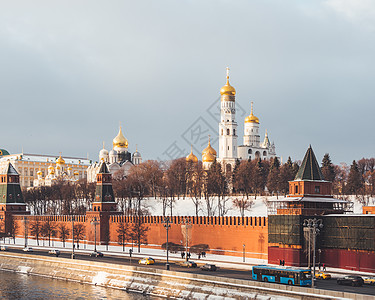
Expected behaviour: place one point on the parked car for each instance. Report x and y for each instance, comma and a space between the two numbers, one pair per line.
54, 252
96, 254
369, 280
3, 248
189, 264
322, 275
209, 267
146, 261
350, 280
28, 249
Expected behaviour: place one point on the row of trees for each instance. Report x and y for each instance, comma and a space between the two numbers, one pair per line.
212, 188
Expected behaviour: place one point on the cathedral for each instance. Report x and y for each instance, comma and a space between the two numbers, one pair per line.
118, 160
229, 151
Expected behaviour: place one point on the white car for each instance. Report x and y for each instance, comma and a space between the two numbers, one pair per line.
27, 249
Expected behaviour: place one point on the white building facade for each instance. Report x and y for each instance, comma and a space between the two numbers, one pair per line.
229, 151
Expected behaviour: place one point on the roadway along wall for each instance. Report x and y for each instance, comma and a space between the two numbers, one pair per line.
160, 283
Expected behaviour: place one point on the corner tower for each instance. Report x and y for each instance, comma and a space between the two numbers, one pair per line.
104, 197
228, 127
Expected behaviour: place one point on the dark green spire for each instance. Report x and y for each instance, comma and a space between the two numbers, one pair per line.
309, 169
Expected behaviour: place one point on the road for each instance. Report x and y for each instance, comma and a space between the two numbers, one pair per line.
221, 272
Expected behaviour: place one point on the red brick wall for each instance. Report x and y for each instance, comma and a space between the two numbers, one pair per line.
224, 235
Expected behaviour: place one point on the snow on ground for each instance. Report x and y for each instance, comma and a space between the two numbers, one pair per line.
186, 207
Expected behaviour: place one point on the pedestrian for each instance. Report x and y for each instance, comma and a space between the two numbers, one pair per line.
188, 255
203, 254
199, 256
182, 255
320, 265
280, 262
324, 266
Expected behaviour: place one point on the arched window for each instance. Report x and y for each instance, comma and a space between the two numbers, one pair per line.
228, 168
228, 132
234, 131
264, 153
250, 151
257, 154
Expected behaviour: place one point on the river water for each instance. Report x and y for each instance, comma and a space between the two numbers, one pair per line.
30, 287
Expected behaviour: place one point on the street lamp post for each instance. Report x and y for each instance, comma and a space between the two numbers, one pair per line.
25, 229
72, 237
243, 249
187, 222
314, 226
95, 223
166, 223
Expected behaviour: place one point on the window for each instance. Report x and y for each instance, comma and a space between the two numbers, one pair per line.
264, 153
25, 171
222, 131
31, 172
228, 132
234, 131
249, 151
296, 189
317, 189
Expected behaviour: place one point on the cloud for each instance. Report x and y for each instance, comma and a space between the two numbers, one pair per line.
359, 12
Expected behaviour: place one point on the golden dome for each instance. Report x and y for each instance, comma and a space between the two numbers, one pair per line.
251, 118
120, 140
39, 173
191, 157
58, 168
76, 173
69, 168
60, 160
208, 157
209, 149
227, 89
50, 167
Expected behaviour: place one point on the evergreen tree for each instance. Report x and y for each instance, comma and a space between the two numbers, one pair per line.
287, 173
354, 182
259, 177
328, 168
274, 176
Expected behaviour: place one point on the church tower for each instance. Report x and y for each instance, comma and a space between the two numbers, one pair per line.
228, 127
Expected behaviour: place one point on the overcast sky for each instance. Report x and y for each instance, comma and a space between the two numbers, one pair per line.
70, 71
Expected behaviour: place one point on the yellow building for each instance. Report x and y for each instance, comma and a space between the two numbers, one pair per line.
37, 167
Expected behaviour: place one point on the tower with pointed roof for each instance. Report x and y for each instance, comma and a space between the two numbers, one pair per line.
309, 196
228, 126
104, 197
11, 198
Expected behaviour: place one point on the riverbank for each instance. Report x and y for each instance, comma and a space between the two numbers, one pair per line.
158, 283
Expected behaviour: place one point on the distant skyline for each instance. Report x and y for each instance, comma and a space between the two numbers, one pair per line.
72, 71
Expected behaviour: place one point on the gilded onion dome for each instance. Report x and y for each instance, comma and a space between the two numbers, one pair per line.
120, 140
208, 157
227, 89
69, 169
39, 173
191, 157
251, 118
209, 149
60, 160
76, 173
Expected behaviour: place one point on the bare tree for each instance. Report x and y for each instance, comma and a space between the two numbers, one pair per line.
243, 205
79, 232
123, 233
63, 232
36, 229
139, 232
48, 230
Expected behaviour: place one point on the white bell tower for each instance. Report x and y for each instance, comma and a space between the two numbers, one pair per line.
228, 126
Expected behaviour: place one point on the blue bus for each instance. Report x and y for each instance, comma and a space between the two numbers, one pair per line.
280, 274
